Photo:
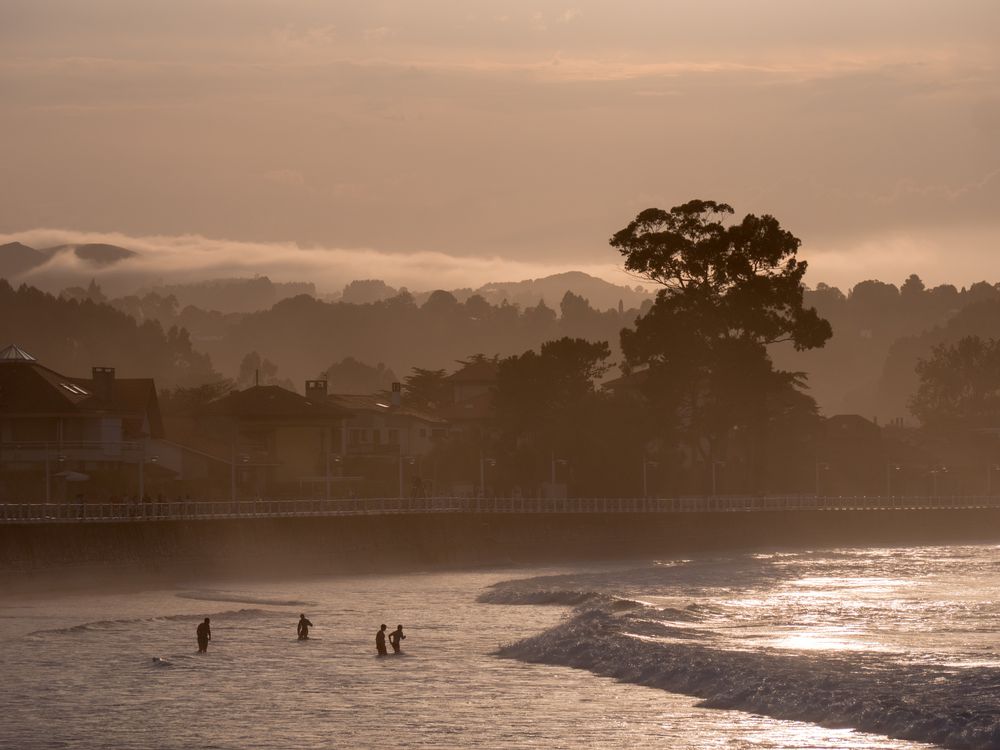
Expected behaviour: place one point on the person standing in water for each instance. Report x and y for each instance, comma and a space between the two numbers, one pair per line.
304, 626
204, 633
380, 641
395, 637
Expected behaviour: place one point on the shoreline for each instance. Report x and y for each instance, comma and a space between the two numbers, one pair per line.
71, 556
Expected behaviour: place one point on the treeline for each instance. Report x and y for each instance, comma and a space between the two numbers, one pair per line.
71, 336
880, 332
304, 337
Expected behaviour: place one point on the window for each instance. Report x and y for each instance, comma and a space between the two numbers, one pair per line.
74, 389
393, 437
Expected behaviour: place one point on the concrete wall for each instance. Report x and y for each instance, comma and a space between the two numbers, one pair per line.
290, 546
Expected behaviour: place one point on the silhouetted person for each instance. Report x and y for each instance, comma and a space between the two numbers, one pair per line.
395, 637
204, 635
380, 641
304, 626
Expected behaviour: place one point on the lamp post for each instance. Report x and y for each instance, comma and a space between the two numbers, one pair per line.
483, 463
561, 462
935, 473
715, 479
48, 480
142, 471
889, 469
820, 466
646, 463
335, 458
411, 461
989, 478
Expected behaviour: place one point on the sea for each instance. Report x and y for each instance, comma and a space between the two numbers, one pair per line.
827, 649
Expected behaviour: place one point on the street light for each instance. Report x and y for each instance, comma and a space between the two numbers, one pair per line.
410, 460
647, 463
989, 478
335, 457
715, 466
889, 469
142, 471
820, 466
483, 463
561, 462
935, 473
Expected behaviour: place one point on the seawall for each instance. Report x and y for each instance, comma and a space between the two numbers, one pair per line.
373, 543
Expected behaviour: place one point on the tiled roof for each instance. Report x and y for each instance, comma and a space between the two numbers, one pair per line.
381, 405
476, 408
272, 401
14, 353
30, 389
475, 372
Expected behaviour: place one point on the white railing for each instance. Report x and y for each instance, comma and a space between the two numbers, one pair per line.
284, 508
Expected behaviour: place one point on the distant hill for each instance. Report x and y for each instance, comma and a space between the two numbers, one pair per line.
234, 295
601, 294
16, 258
96, 253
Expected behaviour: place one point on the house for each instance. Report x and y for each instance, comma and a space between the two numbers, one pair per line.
382, 426
65, 437
471, 410
473, 379
275, 442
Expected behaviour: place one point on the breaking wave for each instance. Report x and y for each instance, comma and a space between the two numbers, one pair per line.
955, 708
501, 594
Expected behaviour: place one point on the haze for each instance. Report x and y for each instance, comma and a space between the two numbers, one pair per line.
405, 139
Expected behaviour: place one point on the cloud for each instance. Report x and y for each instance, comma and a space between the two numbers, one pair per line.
892, 256
184, 258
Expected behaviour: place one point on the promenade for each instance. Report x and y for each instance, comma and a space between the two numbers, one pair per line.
151, 512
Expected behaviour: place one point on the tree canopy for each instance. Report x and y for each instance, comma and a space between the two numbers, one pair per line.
959, 384
730, 281
727, 292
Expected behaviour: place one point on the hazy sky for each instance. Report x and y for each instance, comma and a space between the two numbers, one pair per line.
522, 133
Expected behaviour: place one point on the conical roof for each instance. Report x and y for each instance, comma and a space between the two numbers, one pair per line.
14, 353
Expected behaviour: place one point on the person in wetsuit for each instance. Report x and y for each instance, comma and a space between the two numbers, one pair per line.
304, 626
204, 633
395, 637
380, 641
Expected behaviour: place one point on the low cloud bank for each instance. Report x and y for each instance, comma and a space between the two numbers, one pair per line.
959, 256
187, 258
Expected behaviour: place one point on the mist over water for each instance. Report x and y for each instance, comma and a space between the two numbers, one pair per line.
806, 647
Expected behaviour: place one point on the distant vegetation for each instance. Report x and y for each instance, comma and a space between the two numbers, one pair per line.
868, 367
71, 336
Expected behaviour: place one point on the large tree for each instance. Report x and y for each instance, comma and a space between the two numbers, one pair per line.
736, 281
959, 385
727, 292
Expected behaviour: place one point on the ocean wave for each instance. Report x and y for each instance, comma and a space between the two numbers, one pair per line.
956, 708
127, 622
555, 597
224, 596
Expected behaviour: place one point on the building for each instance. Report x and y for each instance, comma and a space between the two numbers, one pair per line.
272, 442
64, 437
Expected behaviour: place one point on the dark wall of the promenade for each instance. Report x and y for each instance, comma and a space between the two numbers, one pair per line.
384, 543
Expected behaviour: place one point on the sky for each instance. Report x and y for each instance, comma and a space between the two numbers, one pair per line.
455, 142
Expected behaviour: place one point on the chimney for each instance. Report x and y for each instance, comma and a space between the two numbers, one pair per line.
104, 383
397, 394
316, 390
